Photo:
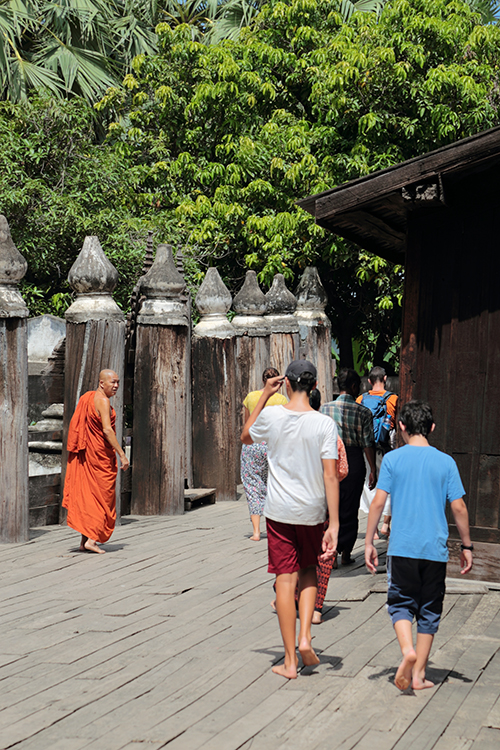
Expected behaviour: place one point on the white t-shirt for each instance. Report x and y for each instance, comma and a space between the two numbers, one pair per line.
296, 443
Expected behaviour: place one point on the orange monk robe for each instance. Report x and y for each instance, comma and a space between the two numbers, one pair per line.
89, 486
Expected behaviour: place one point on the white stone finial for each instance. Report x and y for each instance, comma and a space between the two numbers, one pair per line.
93, 277
311, 299
213, 302
250, 307
13, 266
281, 305
163, 286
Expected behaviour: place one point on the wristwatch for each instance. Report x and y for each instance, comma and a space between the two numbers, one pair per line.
464, 546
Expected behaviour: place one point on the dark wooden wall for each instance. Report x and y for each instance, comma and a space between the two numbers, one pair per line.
451, 353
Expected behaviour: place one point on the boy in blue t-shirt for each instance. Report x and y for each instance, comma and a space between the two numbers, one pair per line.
420, 480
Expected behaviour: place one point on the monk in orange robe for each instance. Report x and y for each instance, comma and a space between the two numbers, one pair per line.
89, 486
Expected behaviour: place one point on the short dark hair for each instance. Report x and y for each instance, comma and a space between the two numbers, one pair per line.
269, 372
377, 375
315, 399
417, 418
305, 384
347, 378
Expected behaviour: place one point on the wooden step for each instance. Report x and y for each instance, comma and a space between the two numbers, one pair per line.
200, 496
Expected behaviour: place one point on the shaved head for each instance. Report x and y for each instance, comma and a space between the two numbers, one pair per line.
107, 375
109, 382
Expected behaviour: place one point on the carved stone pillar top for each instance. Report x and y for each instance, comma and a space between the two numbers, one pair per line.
93, 277
311, 299
12, 269
213, 302
280, 306
163, 287
250, 307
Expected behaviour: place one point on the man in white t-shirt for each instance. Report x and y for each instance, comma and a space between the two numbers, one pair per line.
302, 484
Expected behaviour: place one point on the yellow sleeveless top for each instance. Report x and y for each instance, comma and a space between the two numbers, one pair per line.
253, 397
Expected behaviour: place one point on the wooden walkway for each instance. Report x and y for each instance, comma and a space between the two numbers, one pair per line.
168, 641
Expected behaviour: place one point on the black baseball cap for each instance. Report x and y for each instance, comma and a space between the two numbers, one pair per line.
298, 367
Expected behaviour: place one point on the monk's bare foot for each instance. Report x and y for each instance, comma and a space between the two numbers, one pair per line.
420, 684
91, 546
255, 537
403, 675
290, 672
308, 654
317, 619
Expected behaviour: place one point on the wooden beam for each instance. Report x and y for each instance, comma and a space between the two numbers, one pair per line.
457, 156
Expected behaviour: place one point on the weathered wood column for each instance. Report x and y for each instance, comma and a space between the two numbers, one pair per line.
13, 393
280, 306
252, 346
160, 403
95, 338
252, 337
215, 433
315, 337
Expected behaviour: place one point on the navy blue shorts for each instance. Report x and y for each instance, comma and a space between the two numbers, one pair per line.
416, 590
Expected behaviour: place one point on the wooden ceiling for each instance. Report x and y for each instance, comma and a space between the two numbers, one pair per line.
373, 211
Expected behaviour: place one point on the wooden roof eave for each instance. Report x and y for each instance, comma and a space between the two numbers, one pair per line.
347, 210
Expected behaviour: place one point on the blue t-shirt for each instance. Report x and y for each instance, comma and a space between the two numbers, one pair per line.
420, 479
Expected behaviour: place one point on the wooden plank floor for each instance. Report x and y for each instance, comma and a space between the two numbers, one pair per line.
168, 641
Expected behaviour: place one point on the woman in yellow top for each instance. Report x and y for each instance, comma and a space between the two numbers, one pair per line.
254, 458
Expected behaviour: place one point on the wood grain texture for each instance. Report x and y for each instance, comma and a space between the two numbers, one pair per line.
284, 348
315, 344
160, 421
215, 417
14, 430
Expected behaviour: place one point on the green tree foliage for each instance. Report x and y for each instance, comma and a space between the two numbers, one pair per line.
227, 137
58, 186
70, 46
84, 46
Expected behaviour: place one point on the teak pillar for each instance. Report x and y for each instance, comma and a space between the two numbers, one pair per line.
252, 345
95, 339
252, 337
13, 393
215, 433
280, 308
160, 402
315, 337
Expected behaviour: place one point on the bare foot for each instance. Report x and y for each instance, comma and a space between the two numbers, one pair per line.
403, 675
255, 537
290, 673
308, 654
376, 536
419, 684
317, 619
273, 604
91, 546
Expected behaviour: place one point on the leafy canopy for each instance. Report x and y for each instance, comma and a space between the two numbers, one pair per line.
227, 137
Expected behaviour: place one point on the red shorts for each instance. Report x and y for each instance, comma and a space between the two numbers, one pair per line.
292, 547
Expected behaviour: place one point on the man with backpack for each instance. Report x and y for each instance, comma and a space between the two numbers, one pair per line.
383, 405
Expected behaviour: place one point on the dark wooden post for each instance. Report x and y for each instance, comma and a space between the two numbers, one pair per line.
160, 403
280, 305
13, 393
215, 433
315, 329
252, 337
95, 338
252, 345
